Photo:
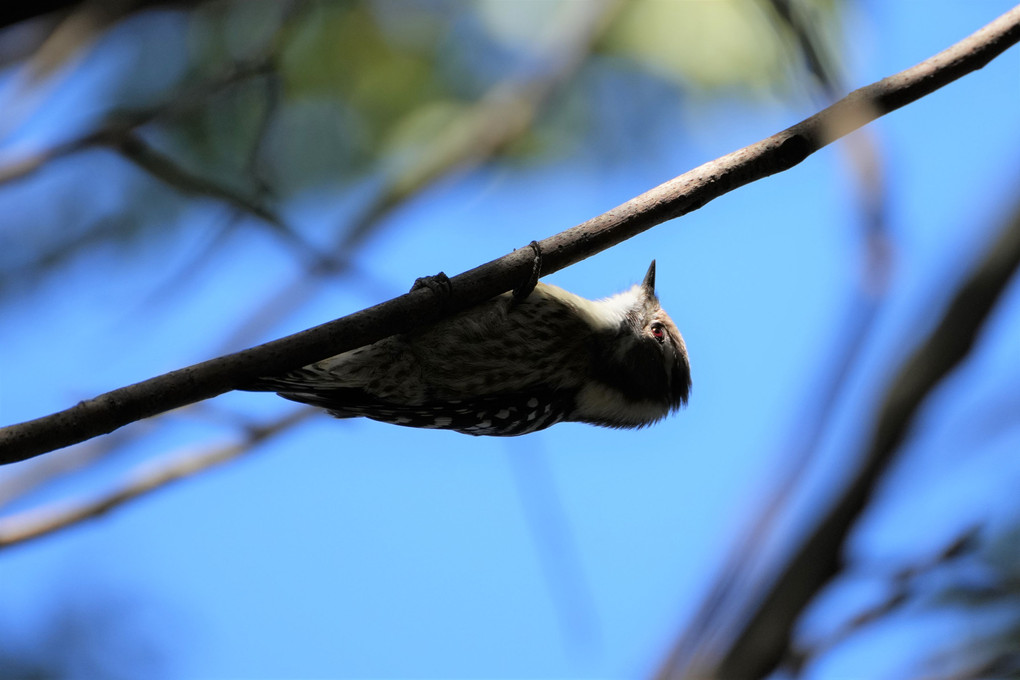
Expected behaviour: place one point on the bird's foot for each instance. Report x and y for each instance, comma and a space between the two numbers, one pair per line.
522, 291
440, 286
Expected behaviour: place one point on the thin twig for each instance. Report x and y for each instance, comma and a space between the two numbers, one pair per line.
121, 123
32, 524
676, 197
903, 586
162, 167
549, 524
19, 481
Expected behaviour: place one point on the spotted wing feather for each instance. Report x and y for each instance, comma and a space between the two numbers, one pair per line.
503, 415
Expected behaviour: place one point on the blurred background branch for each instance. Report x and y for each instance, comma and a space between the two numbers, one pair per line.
766, 637
173, 467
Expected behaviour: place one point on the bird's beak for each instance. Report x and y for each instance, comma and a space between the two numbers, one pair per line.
648, 285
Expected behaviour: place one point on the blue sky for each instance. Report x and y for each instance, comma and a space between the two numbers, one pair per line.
357, 549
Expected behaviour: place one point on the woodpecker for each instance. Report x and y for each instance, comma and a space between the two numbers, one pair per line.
515, 364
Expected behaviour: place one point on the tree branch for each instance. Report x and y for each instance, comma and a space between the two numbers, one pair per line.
676, 197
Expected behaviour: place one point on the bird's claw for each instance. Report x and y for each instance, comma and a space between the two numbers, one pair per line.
439, 285
521, 292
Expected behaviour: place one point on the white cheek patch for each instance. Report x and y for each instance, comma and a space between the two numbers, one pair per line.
601, 405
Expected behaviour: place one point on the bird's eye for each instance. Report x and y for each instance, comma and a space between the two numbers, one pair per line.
658, 332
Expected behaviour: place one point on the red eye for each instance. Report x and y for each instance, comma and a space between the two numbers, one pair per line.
658, 332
